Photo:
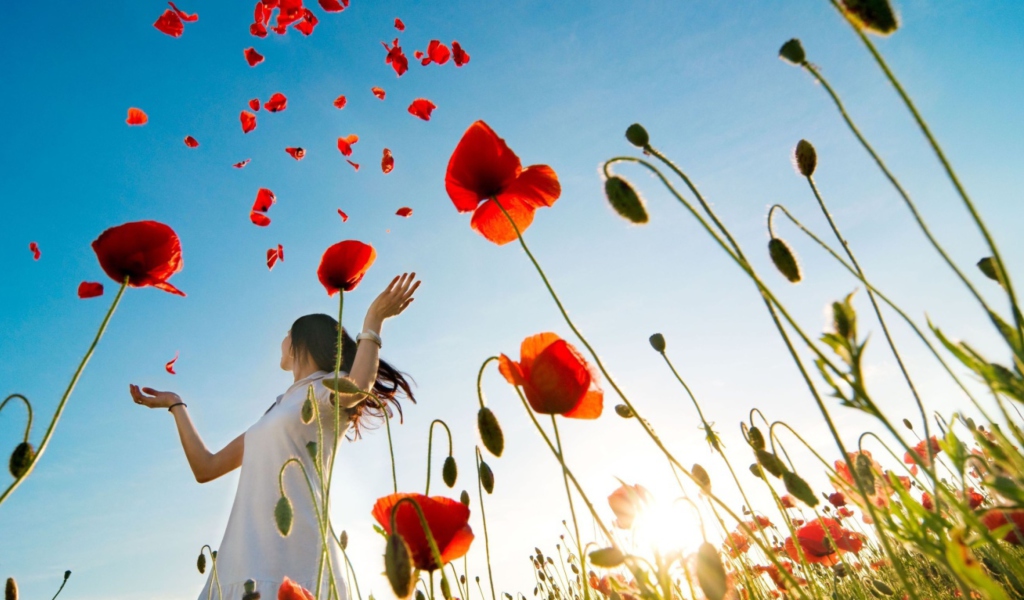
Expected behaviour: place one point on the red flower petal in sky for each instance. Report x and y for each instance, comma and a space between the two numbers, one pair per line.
34, 248
248, 121
483, 170
399, 25
387, 163
345, 144
421, 107
184, 16
297, 153
418, 54
555, 377
191, 142
254, 104
276, 103
259, 219
275, 254
261, 15
447, 519
258, 29
343, 265
343, 216
436, 52
459, 55
253, 57
354, 164
239, 165
90, 289
289, 11
396, 58
136, 117
170, 364
340, 101
290, 590
264, 200
378, 92
308, 22
333, 5
170, 23
148, 253
405, 211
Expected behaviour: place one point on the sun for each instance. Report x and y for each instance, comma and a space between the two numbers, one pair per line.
667, 526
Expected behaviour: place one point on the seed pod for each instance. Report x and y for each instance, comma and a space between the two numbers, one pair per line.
793, 51
341, 385
908, 424
755, 469
607, 557
710, 572
283, 515
21, 459
464, 498
11, 590
624, 411
420, 595
486, 477
796, 486
307, 411
987, 266
875, 16
311, 449
449, 472
702, 478
446, 590
844, 319
201, 562
784, 260
881, 587
490, 431
755, 438
249, 587
864, 472
658, 342
343, 540
625, 200
806, 158
398, 566
67, 574
213, 553
637, 135
771, 463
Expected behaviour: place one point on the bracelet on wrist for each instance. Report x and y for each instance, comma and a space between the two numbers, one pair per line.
176, 404
369, 335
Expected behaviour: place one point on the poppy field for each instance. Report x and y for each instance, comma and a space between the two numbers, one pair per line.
865, 497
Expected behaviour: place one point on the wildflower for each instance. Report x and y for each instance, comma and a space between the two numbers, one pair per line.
787, 501
995, 519
148, 253
290, 590
837, 499
344, 264
555, 377
736, 544
627, 501
447, 519
816, 545
921, 452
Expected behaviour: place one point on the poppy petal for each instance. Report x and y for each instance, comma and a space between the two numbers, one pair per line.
344, 217
458, 546
438, 52
532, 346
248, 121
590, 407
184, 16
510, 370
421, 107
354, 164
166, 287
259, 219
489, 221
387, 163
277, 103
280, 252
333, 5
481, 166
378, 92
170, 364
396, 58
308, 22
345, 144
258, 29
537, 185
272, 257
290, 590
136, 117
253, 57
296, 153
399, 25
459, 55
254, 104
191, 142
34, 248
170, 23
405, 211
239, 165
559, 379
264, 200
340, 101
90, 289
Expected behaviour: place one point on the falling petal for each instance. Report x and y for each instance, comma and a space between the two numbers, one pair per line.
421, 107
90, 289
297, 153
191, 142
308, 22
184, 16
280, 252
136, 117
259, 219
239, 165
333, 5
273, 255
396, 58
459, 55
378, 92
387, 163
170, 23
254, 104
354, 165
276, 103
438, 52
340, 101
343, 216
253, 57
418, 54
258, 29
264, 200
399, 25
170, 364
405, 211
34, 247
248, 121
345, 144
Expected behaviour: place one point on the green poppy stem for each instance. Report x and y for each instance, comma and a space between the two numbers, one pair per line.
483, 517
28, 407
435, 552
572, 509
430, 446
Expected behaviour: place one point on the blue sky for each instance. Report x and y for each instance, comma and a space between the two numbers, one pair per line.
113, 499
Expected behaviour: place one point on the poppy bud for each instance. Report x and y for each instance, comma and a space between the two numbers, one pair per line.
67, 574
784, 260
771, 463
806, 158
908, 424
796, 486
249, 588
449, 472
755, 470
755, 438
420, 595
987, 266
342, 385
283, 515
311, 448
658, 342
21, 459
864, 473
307, 411
637, 135
844, 319
881, 587
625, 200
486, 477
343, 540
793, 51
875, 16
201, 562
710, 572
702, 477
490, 431
446, 590
607, 557
464, 498
11, 591
398, 566
213, 553
624, 411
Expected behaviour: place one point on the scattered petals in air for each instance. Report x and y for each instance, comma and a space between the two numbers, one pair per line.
308, 22
248, 121
184, 16
399, 25
437, 53
253, 57
378, 92
354, 165
459, 55
387, 163
259, 219
241, 165
297, 153
345, 144
136, 117
421, 107
264, 199
276, 103
170, 23
34, 247
405, 211
274, 255
254, 104
258, 29
418, 54
340, 101
396, 58
90, 289
333, 5
344, 217
191, 142
170, 364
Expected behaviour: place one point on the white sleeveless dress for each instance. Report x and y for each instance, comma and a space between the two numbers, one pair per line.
252, 547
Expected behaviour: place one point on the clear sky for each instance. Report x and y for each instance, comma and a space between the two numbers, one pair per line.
113, 498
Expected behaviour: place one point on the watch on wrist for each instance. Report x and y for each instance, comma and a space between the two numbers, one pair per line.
369, 335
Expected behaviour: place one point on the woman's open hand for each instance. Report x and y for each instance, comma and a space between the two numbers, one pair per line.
391, 301
155, 399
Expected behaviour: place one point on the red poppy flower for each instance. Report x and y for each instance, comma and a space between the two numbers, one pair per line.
837, 499
343, 265
994, 519
844, 512
191, 142
447, 519
974, 499
920, 451
148, 253
34, 248
421, 107
297, 153
248, 121
253, 57
396, 58
387, 163
555, 377
436, 52
274, 255
170, 364
736, 544
399, 25
627, 501
816, 545
333, 5
290, 590
354, 164
459, 55
136, 117
254, 104
90, 289
276, 103
239, 165
345, 144
378, 92
308, 22
405, 211
483, 170
787, 501
340, 102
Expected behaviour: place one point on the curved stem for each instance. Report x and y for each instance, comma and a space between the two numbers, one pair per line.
430, 445
572, 509
426, 532
480, 382
483, 516
28, 407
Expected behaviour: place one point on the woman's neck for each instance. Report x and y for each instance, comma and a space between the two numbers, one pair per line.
303, 371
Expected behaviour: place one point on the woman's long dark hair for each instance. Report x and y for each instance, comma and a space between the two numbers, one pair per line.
317, 336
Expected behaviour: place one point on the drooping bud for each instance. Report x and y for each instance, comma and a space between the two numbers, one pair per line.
398, 566
864, 473
987, 266
625, 200
311, 449
793, 51
343, 540
784, 260
307, 411
342, 385
755, 470
249, 590
21, 459
283, 515
771, 463
449, 472
11, 590
875, 16
658, 342
486, 477
881, 587
702, 478
213, 553
710, 572
755, 438
490, 431
806, 158
624, 411
464, 498
446, 590
796, 486
420, 595
908, 424
637, 135
201, 562
607, 558
67, 574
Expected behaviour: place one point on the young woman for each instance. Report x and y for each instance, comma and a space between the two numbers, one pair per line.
252, 547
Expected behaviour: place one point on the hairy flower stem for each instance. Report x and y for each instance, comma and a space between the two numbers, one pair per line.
426, 532
320, 519
325, 522
483, 517
480, 381
64, 399
572, 509
28, 407
430, 445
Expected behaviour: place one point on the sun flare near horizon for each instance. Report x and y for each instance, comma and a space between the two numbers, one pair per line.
666, 526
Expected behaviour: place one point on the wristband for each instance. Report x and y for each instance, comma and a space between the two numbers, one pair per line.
369, 335
176, 404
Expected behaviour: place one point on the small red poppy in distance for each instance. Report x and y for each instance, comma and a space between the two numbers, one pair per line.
396, 58
627, 501
447, 519
333, 5
136, 117
399, 25
170, 364
483, 170
264, 200
421, 107
276, 103
34, 248
290, 590
191, 142
274, 255
459, 55
148, 253
248, 121
171, 21
994, 519
405, 211
344, 217
254, 104
555, 377
297, 153
921, 451
239, 165
387, 162
340, 101
345, 144
816, 545
343, 265
437, 53
90, 289
378, 92
253, 57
